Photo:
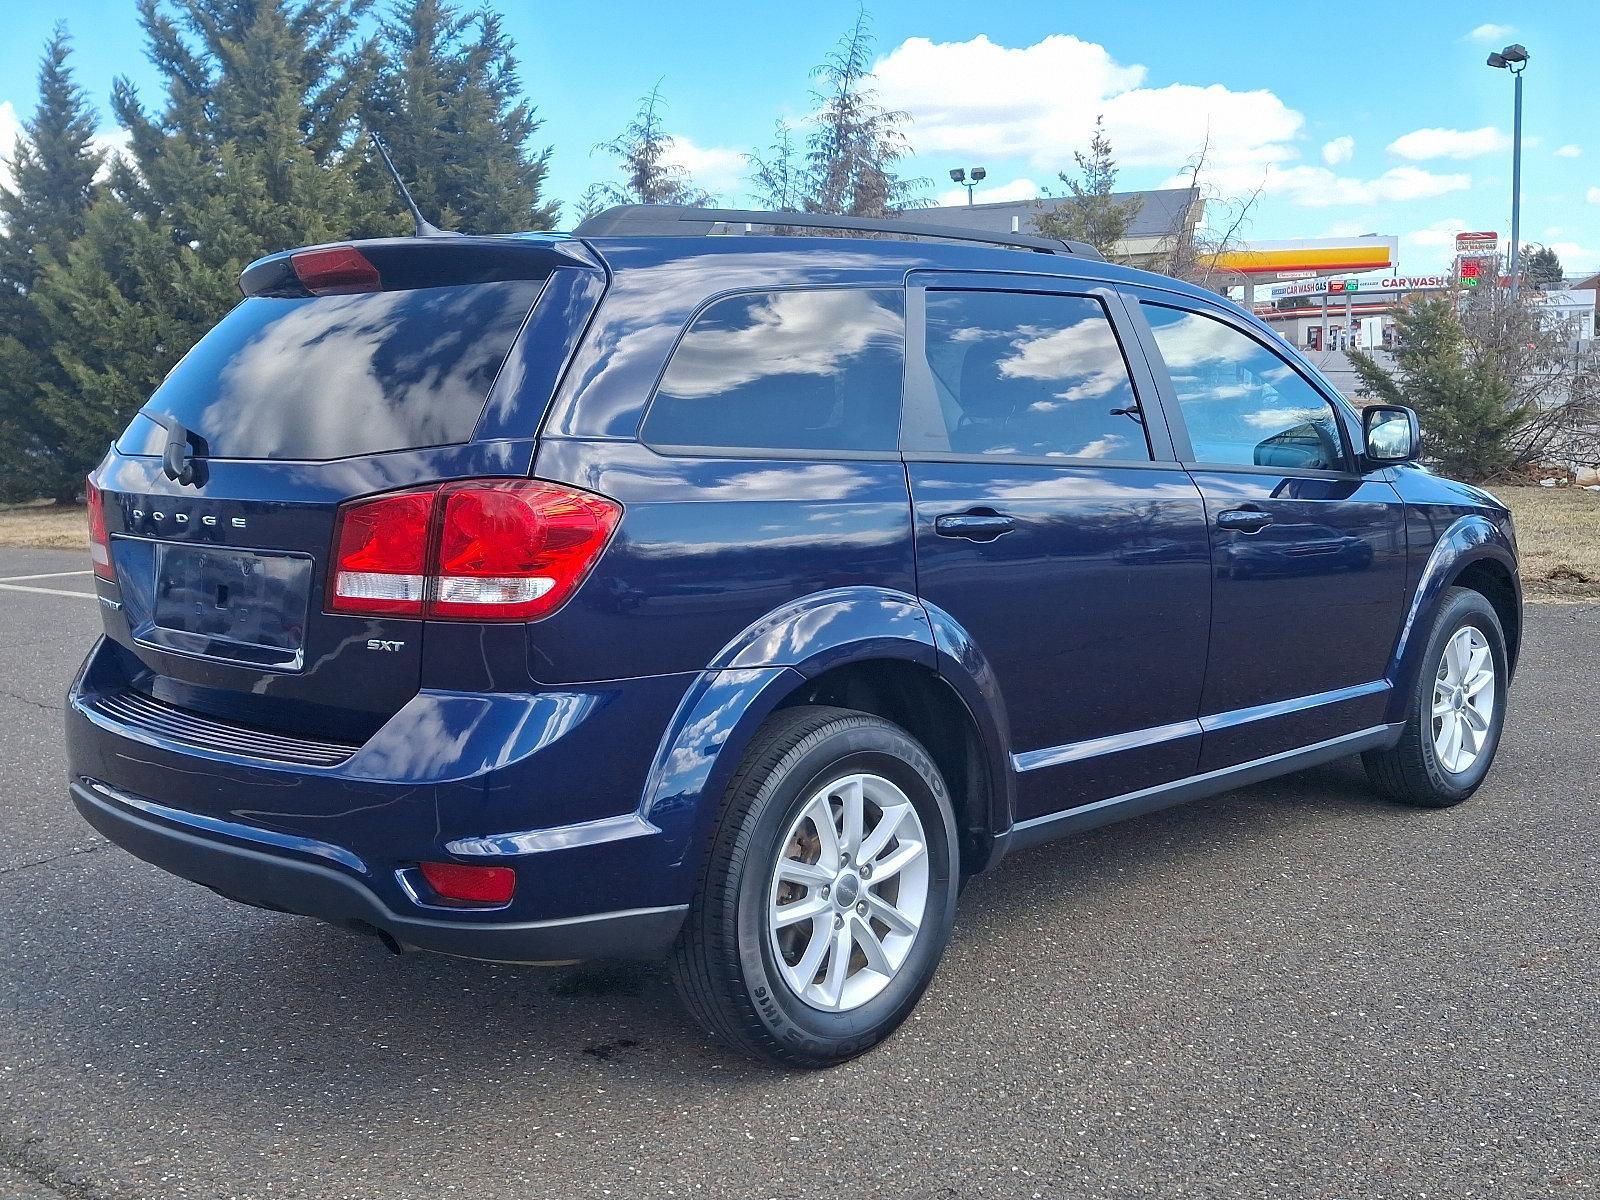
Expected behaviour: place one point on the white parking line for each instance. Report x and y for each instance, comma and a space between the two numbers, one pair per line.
38, 591
45, 575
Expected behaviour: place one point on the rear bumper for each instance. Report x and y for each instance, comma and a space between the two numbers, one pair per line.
264, 876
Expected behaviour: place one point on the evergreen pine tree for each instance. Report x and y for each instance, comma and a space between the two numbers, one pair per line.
649, 175
42, 213
252, 153
452, 111
856, 143
1467, 405
1092, 215
1541, 267
776, 177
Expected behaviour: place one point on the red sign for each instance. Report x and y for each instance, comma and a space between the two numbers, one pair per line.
1477, 241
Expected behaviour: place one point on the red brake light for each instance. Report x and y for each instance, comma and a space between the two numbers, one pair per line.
336, 271
480, 885
481, 550
514, 550
99, 542
380, 555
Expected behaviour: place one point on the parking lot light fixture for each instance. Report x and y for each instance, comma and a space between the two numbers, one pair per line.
1514, 58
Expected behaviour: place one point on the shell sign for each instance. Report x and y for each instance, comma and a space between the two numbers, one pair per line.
1321, 255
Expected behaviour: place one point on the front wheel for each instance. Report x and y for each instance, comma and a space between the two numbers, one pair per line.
1456, 712
829, 892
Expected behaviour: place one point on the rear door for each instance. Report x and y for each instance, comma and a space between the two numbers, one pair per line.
221, 496
1308, 553
1055, 528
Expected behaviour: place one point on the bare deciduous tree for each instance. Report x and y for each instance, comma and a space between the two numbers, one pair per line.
1191, 251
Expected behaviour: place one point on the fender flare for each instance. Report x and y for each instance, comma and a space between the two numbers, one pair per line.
773, 658
1469, 539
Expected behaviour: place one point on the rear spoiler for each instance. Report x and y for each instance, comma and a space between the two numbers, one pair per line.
399, 264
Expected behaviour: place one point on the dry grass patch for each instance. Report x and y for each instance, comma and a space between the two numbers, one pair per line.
1558, 537
44, 526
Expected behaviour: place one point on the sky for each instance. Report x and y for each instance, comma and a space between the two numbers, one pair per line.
1380, 118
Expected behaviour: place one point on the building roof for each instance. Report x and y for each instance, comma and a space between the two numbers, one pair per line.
1160, 212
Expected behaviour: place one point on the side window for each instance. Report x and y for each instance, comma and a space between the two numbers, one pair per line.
812, 370
1242, 404
1031, 374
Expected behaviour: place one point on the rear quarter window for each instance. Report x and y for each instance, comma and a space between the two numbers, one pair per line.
804, 370
336, 376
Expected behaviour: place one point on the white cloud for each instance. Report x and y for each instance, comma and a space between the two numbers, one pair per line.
1576, 259
114, 143
1422, 144
976, 98
1569, 151
1318, 187
715, 168
1338, 151
1592, 195
10, 127
1017, 189
1490, 32
1440, 233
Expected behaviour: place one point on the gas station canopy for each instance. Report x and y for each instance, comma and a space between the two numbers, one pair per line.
1303, 258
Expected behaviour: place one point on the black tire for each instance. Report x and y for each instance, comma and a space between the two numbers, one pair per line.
723, 963
1410, 771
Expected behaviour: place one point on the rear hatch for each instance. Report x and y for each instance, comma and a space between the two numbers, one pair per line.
346, 371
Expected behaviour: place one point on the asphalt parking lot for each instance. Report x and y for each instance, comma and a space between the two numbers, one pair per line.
1291, 990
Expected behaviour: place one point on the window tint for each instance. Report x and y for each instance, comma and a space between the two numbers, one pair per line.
333, 376
1242, 404
1031, 375
793, 370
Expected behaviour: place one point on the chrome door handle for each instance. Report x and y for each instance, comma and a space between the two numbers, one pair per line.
977, 525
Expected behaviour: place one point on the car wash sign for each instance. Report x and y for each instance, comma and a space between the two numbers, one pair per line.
1354, 287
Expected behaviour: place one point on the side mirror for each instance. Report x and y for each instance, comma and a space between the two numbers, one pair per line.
1391, 432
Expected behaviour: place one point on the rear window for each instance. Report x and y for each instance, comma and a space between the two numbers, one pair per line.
810, 370
335, 376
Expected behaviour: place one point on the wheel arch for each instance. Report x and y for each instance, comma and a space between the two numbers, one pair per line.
1498, 584
871, 649
1473, 552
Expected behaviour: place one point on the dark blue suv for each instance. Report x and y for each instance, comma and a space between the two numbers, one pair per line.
676, 590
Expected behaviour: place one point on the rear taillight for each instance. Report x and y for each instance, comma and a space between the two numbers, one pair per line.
99, 542
380, 555
481, 550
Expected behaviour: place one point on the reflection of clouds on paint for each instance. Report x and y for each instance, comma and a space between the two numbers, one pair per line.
743, 339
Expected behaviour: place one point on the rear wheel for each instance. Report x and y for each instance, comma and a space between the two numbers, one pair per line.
829, 892
1456, 712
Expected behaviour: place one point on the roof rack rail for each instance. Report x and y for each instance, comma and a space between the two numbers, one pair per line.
659, 220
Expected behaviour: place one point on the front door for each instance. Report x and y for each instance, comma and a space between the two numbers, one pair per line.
1308, 554
1055, 528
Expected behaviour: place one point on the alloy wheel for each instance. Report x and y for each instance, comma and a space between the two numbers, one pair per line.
848, 893
1463, 699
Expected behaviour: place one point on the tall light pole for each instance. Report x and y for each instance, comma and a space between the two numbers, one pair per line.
1515, 60
959, 175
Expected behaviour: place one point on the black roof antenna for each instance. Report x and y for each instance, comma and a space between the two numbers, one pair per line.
425, 227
